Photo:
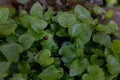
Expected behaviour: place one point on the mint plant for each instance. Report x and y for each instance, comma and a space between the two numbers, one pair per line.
66, 45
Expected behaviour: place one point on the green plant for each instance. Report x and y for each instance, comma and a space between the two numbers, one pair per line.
68, 45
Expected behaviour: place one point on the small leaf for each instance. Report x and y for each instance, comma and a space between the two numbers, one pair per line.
101, 27
44, 57
102, 38
68, 54
109, 14
113, 64
26, 41
25, 21
8, 28
48, 14
17, 76
116, 48
81, 12
66, 19
94, 73
24, 67
36, 10
51, 73
4, 69
11, 51
113, 26
37, 36
38, 25
4, 14
98, 51
78, 67
96, 61
97, 10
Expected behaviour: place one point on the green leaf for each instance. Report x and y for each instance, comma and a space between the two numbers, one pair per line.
66, 19
17, 76
4, 14
96, 61
48, 14
62, 32
25, 21
57, 61
85, 36
23, 13
36, 10
94, 73
51, 73
102, 38
49, 43
113, 26
109, 14
101, 27
26, 41
98, 51
76, 30
116, 48
24, 67
12, 39
11, 51
4, 69
68, 54
81, 12
97, 10
78, 67
113, 64
8, 28
38, 25
44, 57
37, 36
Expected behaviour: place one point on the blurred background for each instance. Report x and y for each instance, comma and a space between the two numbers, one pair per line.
65, 5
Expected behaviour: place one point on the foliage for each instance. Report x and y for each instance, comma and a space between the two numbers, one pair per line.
71, 45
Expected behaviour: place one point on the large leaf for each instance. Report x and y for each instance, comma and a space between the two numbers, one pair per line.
66, 19
78, 67
51, 73
4, 69
113, 64
11, 51
8, 28
38, 25
44, 57
76, 30
102, 38
4, 14
94, 73
26, 40
84, 37
37, 10
81, 12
